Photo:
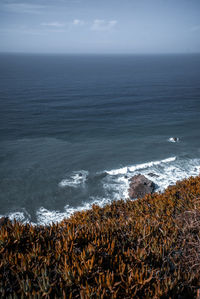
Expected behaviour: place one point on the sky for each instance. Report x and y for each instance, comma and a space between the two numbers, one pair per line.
100, 26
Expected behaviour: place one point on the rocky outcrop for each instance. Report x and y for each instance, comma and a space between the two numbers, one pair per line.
139, 186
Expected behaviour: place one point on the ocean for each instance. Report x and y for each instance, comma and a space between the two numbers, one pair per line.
75, 128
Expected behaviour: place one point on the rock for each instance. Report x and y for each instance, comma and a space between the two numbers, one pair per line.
139, 186
153, 175
174, 139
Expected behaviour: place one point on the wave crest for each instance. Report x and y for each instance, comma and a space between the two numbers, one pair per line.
76, 179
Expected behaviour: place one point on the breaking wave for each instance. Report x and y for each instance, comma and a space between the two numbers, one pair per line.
75, 179
133, 168
114, 185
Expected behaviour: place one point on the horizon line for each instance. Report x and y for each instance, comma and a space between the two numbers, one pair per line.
97, 53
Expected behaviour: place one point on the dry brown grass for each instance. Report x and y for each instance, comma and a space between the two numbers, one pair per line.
147, 248
189, 236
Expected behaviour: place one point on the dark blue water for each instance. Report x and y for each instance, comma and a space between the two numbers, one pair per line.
71, 125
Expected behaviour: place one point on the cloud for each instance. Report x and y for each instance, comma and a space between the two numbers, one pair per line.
23, 8
21, 31
102, 25
78, 22
53, 24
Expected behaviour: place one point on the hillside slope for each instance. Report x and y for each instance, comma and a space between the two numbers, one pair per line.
149, 248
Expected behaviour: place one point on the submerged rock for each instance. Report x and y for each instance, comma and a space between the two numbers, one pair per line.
139, 186
153, 174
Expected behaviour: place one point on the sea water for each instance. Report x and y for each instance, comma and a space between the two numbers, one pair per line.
75, 128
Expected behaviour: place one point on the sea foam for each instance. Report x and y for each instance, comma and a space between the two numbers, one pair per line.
115, 184
46, 217
162, 172
75, 179
133, 168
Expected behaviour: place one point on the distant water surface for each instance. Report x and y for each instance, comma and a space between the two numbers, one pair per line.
73, 129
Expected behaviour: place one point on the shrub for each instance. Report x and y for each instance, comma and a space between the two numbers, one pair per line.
149, 248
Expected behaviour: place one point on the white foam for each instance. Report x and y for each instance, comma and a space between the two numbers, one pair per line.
173, 139
22, 217
116, 188
122, 170
163, 173
166, 172
173, 175
46, 217
116, 183
133, 168
150, 164
75, 180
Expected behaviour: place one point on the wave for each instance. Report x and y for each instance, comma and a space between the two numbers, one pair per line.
45, 217
133, 168
21, 216
76, 179
114, 185
163, 173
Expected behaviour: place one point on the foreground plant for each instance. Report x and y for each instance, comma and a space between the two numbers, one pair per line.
149, 248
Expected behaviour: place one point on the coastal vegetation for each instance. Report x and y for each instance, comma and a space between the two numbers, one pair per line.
149, 248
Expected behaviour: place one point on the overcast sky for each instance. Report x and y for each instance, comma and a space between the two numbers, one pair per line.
100, 26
